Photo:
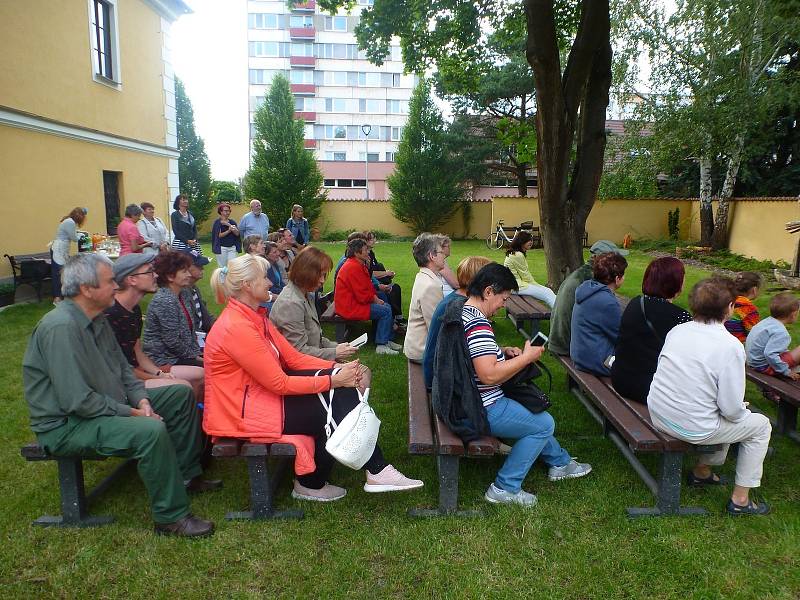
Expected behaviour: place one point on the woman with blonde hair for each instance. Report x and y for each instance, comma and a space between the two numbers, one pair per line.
259, 387
59, 249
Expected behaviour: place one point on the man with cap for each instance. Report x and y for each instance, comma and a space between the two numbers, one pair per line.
192, 297
135, 276
85, 400
561, 315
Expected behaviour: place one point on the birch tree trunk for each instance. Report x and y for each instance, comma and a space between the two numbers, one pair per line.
719, 238
706, 209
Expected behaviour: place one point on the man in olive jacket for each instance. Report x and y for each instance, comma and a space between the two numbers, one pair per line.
561, 315
84, 399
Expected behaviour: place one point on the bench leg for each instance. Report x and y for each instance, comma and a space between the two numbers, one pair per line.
668, 491
447, 468
787, 418
74, 504
261, 495
341, 332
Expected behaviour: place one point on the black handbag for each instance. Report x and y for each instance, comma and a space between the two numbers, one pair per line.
522, 389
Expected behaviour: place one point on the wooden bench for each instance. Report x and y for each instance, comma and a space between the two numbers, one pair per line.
427, 435
522, 310
786, 394
627, 424
31, 269
262, 484
342, 325
74, 499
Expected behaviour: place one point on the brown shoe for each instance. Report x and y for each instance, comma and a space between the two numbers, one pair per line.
188, 526
198, 485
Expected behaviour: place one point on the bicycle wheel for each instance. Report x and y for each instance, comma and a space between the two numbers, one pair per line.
494, 241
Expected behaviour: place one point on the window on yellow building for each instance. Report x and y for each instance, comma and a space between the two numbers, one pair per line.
104, 39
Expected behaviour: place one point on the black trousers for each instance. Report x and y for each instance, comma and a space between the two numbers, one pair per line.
305, 415
395, 300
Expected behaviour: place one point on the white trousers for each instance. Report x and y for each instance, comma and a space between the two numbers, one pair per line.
540, 292
226, 254
752, 434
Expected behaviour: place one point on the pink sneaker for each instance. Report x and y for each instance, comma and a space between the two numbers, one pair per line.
390, 480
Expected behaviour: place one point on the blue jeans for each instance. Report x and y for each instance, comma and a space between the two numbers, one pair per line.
381, 315
534, 435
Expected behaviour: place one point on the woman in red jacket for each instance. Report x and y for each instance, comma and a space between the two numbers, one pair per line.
355, 299
259, 387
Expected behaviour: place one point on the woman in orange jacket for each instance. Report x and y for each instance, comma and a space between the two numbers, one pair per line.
258, 387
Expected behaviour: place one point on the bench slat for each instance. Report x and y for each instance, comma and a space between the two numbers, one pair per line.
525, 308
420, 432
789, 390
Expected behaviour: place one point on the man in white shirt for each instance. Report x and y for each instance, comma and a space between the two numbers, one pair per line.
255, 222
697, 394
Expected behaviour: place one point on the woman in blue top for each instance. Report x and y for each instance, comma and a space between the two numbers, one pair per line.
299, 226
225, 240
59, 249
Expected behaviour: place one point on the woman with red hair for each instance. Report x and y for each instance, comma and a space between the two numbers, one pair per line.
645, 324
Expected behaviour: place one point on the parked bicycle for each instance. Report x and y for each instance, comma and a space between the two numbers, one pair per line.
499, 238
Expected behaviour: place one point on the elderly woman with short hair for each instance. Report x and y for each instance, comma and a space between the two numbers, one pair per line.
225, 241
153, 230
169, 330
426, 292
130, 239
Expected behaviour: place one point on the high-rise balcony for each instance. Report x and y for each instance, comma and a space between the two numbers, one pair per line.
308, 6
302, 33
302, 61
303, 89
307, 116
310, 144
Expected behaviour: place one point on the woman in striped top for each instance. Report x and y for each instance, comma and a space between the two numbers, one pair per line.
487, 293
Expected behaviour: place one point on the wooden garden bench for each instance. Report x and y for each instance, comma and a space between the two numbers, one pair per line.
428, 435
786, 394
627, 424
31, 269
74, 499
525, 310
262, 483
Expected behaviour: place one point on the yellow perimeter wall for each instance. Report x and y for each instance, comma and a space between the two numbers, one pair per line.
44, 177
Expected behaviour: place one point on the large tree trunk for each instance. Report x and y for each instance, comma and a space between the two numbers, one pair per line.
522, 179
564, 205
706, 209
719, 238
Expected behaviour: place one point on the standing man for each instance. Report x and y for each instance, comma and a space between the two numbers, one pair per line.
561, 315
83, 399
255, 222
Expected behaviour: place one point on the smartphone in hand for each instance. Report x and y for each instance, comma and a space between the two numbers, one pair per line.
359, 341
539, 339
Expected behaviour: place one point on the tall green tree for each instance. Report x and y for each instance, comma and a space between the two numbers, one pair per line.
194, 168
426, 186
282, 172
711, 83
568, 48
225, 191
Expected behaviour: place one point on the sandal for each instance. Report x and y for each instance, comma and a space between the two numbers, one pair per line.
749, 509
712, 479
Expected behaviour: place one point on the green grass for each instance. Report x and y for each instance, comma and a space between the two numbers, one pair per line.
577, 543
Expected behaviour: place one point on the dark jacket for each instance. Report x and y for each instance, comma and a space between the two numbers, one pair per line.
561, 315
182, 230
229, 240
636, 355
454, 394
595, 326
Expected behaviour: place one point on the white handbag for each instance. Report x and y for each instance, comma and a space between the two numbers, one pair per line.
353, 440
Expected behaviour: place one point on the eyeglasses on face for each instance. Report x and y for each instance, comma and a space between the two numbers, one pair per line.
148, 272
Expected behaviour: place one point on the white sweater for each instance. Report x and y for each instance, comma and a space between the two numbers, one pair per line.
699, 380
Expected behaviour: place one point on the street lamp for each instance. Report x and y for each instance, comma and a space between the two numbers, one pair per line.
366, 130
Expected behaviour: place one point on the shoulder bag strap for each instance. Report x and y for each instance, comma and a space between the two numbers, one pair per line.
646, 320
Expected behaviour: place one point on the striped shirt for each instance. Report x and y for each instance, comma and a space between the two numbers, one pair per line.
480, 342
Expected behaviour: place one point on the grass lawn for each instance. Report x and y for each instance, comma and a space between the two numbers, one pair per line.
577, 543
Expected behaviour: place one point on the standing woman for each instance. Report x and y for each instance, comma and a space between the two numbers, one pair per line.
153, 230
59, 250
298, 225
225, 241
169, 330
516, 260
184, 227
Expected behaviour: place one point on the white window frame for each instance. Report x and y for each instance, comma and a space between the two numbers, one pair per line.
331, 23
263, 18
115, 81
330, 78
260, 49
307, 20
306, 75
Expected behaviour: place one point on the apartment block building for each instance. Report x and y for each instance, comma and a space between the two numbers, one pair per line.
353, 110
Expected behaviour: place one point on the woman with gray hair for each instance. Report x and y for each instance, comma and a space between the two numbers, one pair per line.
426, 294
130, 239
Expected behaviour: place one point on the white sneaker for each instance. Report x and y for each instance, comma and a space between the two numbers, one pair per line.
385, 349
327, 493
497, 495
390, 480
571, 470
394, 346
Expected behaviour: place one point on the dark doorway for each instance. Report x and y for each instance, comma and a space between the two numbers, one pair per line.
111, 192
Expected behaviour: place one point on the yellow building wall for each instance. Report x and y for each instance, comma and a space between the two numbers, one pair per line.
47, 67
44, 177
359, 215
612, 219
758, 229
